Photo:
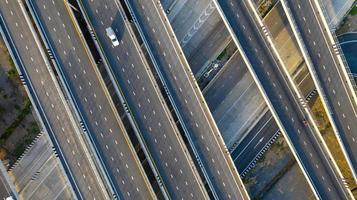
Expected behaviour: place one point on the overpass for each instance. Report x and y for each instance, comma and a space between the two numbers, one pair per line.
91, 99
330, 73
49, 102
188, 102
285, 107
134, 82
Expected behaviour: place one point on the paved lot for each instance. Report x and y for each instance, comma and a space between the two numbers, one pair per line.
38, 175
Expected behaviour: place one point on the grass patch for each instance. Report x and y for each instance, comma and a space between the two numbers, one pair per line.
265, 7
11, 61
220, 56
10, 129
34, 129
12, 73
331, 142
19, 149
353, 10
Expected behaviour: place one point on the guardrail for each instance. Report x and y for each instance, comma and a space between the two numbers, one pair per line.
338, 51
264, 94
37, 106
193, 146
308, 111
111, 103
319, 86
122, 99
90, 140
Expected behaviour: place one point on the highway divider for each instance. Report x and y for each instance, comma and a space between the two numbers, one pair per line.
199, 96
321, 92
90, 140
122, 99
102, 84
265, 96
37, 107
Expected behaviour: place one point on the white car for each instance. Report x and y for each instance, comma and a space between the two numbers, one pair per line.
112, 36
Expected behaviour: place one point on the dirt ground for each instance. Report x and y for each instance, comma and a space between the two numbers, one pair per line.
332, 143
349, 24
278, 164
16, 118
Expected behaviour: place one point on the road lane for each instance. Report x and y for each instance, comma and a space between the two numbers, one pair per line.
134, 80
93, 101
322, 58
188, 101
63, 129
287, 109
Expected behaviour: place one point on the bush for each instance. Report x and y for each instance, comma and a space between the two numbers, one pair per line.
12, 73
8, 131
353, 10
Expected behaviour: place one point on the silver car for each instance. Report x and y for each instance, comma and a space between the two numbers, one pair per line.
112, 36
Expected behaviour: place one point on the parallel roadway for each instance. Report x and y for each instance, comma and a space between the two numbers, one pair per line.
187, 100
92, 100
132, 77
320, 52
287, 110
50, 102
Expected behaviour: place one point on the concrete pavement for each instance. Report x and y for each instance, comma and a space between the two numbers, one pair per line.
187, 100
319, 53
95, 107
281, 100
157, 130
51, 105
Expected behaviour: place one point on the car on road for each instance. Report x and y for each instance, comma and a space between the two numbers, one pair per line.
111, 34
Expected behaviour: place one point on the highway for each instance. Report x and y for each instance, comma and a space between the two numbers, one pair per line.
338, 96
49, 100
92, 100
7, 187
245, 152
280, 98
187, 100
131, 74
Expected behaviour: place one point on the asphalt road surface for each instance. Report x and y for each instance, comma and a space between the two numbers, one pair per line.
93, 102
157, 128
52, 104
266, 128
309, 153
218, 167
329, 73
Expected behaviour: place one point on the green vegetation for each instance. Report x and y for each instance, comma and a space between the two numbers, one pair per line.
265, 7
353, 10
19, 149
12, 64
220, 56
12, 73
275, 179
10, 129
2, 110
330, 139
34, 129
